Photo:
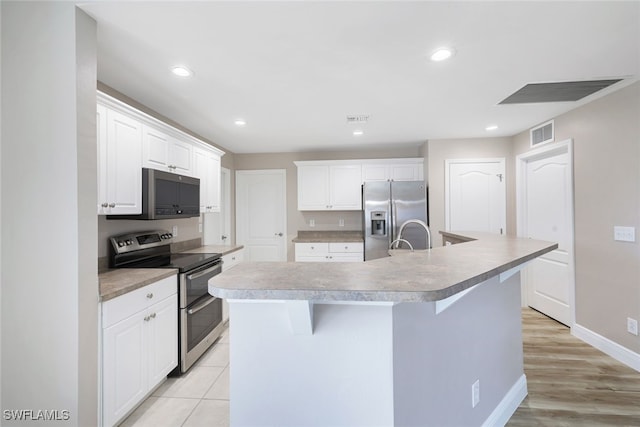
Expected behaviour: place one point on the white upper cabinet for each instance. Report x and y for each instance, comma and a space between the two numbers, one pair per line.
164, 152
329, 186
393, 170
207, 167
129, 140
337, 184
313, 187
344, 187
119, 163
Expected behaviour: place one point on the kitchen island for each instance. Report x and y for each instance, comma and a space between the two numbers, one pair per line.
421, 338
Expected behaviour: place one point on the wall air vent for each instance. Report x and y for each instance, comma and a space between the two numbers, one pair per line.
542, 134
556, 92
358, 118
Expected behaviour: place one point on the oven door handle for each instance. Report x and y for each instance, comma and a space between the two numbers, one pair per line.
203, 272
201, 305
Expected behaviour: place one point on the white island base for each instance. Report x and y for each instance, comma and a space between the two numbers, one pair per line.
328, 363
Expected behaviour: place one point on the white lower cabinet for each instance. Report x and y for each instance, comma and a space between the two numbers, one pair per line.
139, 346
230, 260
330, 252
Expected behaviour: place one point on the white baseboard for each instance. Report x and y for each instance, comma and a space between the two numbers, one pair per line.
509, 404
618, 352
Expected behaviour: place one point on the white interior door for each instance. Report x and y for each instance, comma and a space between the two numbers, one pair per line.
545, 212
475, 195
261, 220
217, 225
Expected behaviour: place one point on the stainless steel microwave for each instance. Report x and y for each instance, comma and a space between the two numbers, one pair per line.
167, 195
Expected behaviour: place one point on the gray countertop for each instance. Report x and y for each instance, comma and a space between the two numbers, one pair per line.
415, 276
327, 236
119, 281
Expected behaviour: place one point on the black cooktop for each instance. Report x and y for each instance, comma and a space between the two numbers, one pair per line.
186, 262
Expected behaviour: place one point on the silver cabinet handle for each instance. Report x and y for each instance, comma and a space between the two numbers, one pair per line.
147, 318
233, 258
112, 205
105, 205
223, 237
153, 315
279, 234
150, 295
200, 306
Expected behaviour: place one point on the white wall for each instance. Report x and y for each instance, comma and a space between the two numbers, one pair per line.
49, 301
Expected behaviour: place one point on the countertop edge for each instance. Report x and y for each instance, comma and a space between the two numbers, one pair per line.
151, 275
329, 294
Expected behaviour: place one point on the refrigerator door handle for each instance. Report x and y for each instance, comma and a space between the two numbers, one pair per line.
394, 215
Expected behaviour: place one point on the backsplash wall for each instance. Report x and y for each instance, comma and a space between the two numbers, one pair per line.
188, 228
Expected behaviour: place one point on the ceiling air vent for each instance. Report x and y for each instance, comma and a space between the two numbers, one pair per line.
358, 118
542, 134
556, 92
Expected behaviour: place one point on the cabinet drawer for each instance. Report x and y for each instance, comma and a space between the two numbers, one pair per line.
346, 247
120, 308
232, 259
312, 248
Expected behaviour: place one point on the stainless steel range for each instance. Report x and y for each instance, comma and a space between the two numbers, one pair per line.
199, 313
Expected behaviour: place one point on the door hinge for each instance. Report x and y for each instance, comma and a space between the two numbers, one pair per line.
499, 175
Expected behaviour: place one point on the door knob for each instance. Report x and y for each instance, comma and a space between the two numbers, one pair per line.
279, 234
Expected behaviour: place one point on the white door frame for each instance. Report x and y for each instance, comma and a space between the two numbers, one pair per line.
553, 149
283, 173
447, 166
225, 178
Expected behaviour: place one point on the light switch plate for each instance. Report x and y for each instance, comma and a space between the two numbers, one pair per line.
624, 234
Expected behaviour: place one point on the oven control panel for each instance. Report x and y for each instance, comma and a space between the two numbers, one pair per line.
136, 241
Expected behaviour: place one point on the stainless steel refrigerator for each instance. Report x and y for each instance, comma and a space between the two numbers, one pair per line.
385, 207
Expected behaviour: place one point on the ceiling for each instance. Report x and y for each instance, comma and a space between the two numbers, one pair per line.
295, 70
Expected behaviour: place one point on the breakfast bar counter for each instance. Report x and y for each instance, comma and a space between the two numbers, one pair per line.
428, 338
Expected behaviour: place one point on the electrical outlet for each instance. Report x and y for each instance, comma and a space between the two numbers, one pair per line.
174, 231
312, 223
475, 394
632, 326
624, 234
341, 222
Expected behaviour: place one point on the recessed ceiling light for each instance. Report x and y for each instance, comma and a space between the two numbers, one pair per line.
181, 71
441, 54
491, 127
239, 122
357, 132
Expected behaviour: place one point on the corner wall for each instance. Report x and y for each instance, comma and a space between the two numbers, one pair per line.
48, 187
606, 144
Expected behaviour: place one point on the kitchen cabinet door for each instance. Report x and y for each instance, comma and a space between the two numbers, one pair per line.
124, 373
313, 188
329, 187
345, 191
162, 336
120, 163
207, 168
166, 153
392, 171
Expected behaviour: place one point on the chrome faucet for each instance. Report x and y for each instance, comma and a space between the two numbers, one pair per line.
413, 221
398, 241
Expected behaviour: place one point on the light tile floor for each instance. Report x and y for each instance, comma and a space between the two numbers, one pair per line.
198, 398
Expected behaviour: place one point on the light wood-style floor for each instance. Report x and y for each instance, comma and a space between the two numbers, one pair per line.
571, 383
